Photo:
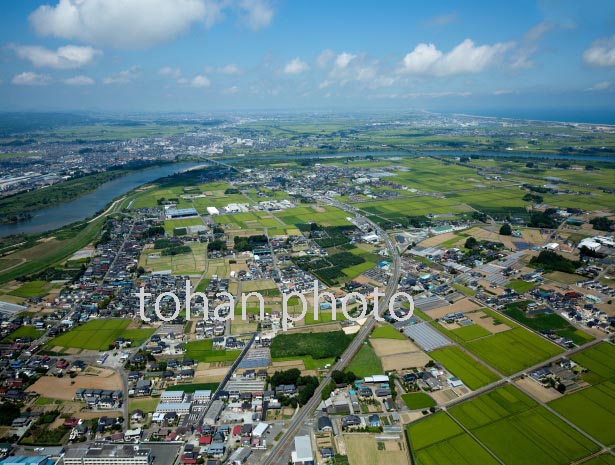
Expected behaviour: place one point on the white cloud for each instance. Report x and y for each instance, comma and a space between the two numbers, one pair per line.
347, 68
66, 57
123, 23
421, 59
465, 58
258, 13
436, 94
522, 57
79, 81
124, 77
343, 60
601, 86
324, 59
231, 90
231, 70
296, 66
170, 71
601, 53
537, 32
31, 79
196, 81
200, 81
442, 20
502, 92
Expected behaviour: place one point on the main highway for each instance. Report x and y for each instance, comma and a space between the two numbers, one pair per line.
281, 451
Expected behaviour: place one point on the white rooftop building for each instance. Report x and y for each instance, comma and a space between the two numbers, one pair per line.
303, 453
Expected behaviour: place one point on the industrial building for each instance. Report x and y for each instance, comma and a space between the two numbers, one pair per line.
109, 454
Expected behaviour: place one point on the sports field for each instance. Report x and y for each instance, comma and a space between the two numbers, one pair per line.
99, 334
472, 373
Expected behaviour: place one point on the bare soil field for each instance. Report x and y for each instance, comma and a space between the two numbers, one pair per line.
363, 450
444, 396
543, 394
398, 354
533, 236
439, 239
287, 365
401, 361
205, 373
385, 347
463, 305
65, 388
486, 321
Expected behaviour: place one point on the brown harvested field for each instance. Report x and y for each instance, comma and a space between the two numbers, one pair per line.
409, 417
12, 299
257, 285
564, 278
439, 239
363, 450
320, 328
65, 388
486, 321
486, 235
398, 354
443, 396
243, 328
541, 393
402, 361
384, 347
533, 236
287, 365
463, 305
205, 373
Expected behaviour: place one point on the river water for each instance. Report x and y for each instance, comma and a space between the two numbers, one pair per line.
55, 217
86, 206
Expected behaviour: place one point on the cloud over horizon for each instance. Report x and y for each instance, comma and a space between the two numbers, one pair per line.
465, 58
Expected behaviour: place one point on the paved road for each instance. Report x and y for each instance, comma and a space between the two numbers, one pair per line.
280, 453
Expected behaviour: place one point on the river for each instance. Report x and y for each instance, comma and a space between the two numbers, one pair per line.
86, 206
55, 217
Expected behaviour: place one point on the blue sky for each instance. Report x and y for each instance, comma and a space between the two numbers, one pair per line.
211, 55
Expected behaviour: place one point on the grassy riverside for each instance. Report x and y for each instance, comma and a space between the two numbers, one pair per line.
56, 194
61, 245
